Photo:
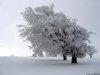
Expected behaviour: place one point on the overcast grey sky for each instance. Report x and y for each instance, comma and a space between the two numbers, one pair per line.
86, 11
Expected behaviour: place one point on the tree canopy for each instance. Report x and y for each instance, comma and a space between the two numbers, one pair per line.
54, 33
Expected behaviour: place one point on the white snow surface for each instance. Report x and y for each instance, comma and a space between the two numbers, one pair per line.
48, 66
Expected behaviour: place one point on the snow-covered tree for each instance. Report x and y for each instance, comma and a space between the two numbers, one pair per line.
54, 34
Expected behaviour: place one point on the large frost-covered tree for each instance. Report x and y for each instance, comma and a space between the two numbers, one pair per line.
55, 34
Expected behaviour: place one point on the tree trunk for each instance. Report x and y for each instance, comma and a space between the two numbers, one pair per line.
64, 57
74, 59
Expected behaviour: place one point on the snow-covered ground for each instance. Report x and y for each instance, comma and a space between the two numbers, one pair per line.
48, 66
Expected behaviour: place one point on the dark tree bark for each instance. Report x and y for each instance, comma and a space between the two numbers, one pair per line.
90, 56
64, 57
74, 59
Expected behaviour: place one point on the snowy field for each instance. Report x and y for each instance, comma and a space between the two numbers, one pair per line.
48, 66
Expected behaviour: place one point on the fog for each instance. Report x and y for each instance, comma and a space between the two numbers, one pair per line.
86, 11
